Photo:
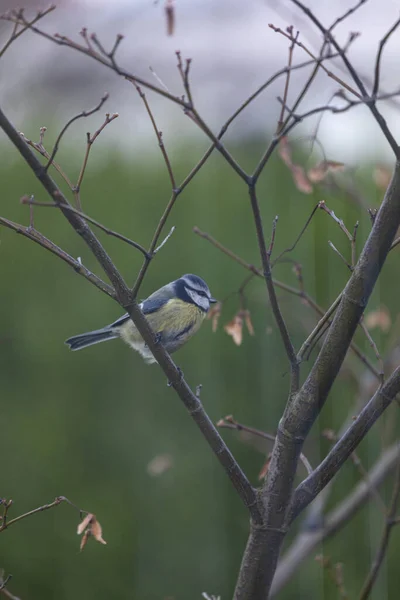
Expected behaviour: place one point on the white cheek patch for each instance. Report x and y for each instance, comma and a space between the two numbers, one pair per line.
201, 301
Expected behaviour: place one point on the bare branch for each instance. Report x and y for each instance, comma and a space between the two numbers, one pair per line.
229, 422
286, 89
382, 44
107, 230
127, 301
327, 71
384, 543
290, 351
291, 290
369, 101
165, 240
84, 113
5, 524
158, 134
341, 451
293, 246
90, 139
15, 17
39, 147
38, 238
308, 540
348, 265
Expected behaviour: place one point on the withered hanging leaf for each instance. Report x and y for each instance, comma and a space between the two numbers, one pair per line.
247, 320
379, 318
97, 531
320, 171
170, 16
91, 528
85, 523
300, 179
214, 314
285, 151
84, 539
298, 173
382, 176
235, 329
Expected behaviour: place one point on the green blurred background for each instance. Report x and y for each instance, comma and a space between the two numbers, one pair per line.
86, 425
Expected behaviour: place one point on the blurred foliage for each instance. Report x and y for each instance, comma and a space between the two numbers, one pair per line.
86, 425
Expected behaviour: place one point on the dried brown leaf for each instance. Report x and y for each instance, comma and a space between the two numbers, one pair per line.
320, 171
90, 526
235, 329
170, 16
214, 314
85, 523
97, 531
300, 179
285, 151
379, 318
84, 539
160, 464
247, 320
382, 176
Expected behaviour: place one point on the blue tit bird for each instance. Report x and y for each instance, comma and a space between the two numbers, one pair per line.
174, 312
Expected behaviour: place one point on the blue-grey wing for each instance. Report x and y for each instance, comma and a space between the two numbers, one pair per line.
147, 306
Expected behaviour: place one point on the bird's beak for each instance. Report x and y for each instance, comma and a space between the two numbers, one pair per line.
213, 300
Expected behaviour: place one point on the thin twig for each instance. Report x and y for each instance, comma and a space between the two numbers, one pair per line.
327, 71
382, 44
77, 265
107, 230
375, 349
229, 422
6, 524
293, 246
184, 73
340, 222
290, 112
39, 147
19, 14
90, 139
353, 245
291, 290
319, 326
348, 265
370, 102
267, 274
272, 242
165, 240
349, 12
4, 582
158, 134
84, 113
287, 81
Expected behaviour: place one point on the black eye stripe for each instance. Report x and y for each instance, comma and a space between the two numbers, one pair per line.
200, 292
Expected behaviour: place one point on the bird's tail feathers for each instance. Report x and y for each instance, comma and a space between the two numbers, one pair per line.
91, 337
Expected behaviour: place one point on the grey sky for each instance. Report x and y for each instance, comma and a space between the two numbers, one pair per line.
233, 52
